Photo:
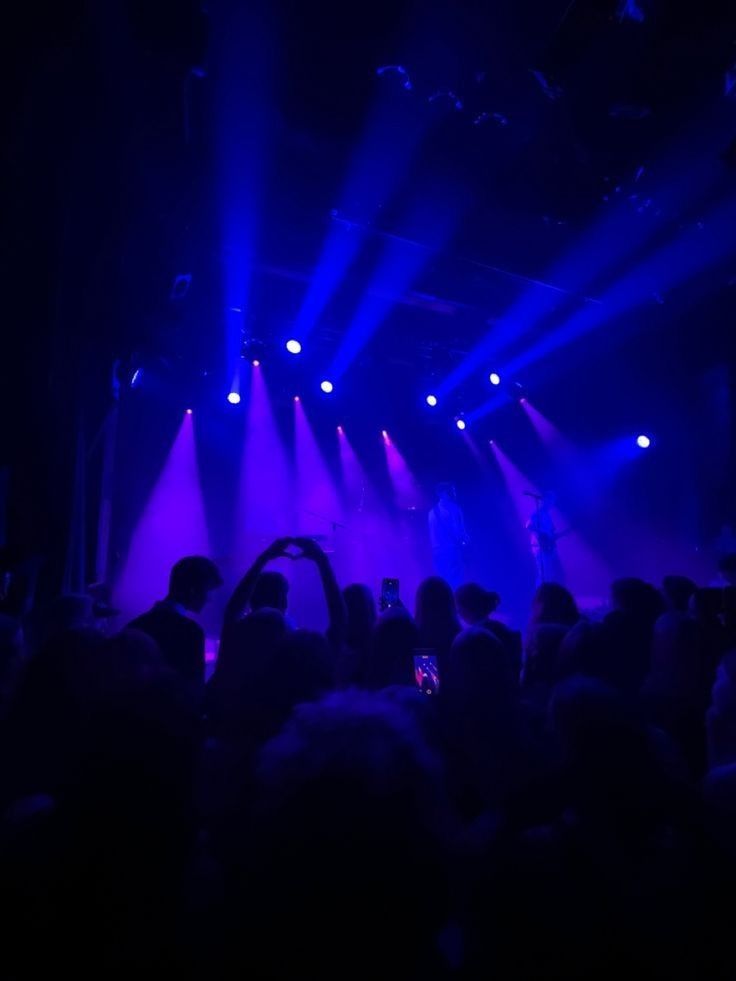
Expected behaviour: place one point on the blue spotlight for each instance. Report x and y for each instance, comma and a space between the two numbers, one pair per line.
293, 346
494, 378
233, 398
460, 423
327, 387
431, 400
643, 442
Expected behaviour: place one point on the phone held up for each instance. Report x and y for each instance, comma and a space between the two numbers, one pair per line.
426, 672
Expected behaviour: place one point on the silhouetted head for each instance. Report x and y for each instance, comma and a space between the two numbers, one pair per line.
677, 591
727, 568
192, 580
271, 592
637, 598
361, 608
478, 667
676, 654
585, 650
446, 492
474, 603
542, 654
395, 637
554, 604
435, 602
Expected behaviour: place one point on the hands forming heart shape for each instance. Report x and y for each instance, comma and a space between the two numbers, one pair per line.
294, 548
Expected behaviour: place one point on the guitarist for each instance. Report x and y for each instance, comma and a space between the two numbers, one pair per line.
544, 536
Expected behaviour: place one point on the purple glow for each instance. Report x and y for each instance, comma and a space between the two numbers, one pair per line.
266, 505
316, 489
173, 524
385, 435
297, 399
583, 570
256, 363
407, 493
549, 434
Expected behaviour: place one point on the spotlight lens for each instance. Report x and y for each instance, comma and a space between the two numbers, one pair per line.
296, 398
256, 363
233, 398
643, 442
189, 412
460, 423
432, 400
293, 346
494, 378
326, 387
384, 434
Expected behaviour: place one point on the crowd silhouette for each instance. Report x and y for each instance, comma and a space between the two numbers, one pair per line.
563, 805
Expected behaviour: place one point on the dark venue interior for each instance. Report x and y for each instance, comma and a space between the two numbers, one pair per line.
368, 489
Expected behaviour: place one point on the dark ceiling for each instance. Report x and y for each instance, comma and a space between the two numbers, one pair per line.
114, 158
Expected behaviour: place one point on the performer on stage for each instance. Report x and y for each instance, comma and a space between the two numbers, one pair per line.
544, 535
448, 536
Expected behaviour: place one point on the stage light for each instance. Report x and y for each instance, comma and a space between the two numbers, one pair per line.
256, 363
293, 346
643, 442
189, 412
431, 400
297, 399
460, 423
326, 386
340, 430
384, 434
494, 378
233, 398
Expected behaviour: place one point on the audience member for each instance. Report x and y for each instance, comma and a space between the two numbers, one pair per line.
279, 827
553, 603
179, 638
436, 617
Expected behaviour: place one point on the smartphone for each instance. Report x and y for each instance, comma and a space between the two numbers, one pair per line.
389, 593
426, 672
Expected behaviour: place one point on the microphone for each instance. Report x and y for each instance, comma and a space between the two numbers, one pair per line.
537, 497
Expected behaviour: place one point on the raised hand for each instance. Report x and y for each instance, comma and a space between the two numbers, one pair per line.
279, 549
309, 549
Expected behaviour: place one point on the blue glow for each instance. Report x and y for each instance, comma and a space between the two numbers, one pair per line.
643, 442
494, 378
136, 378
431, 400
327, 387
240, 48
234, 398
293, 346
377, 169
403, 259
582, 284
460, 423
